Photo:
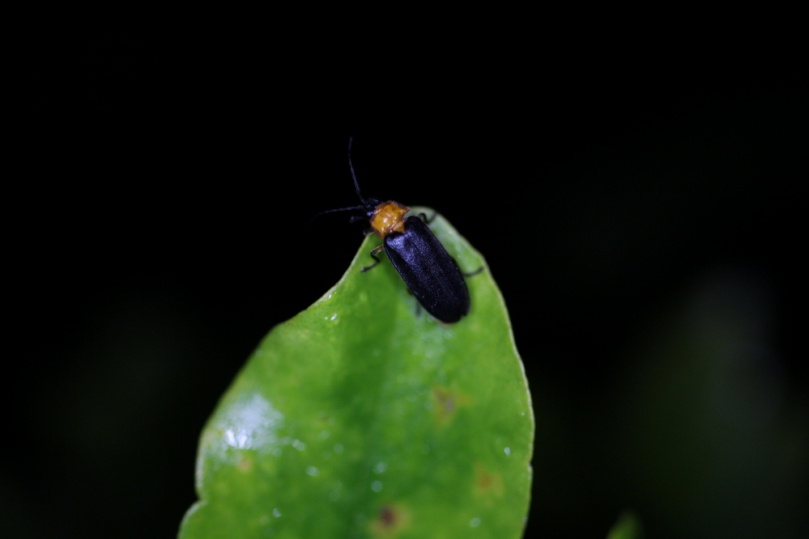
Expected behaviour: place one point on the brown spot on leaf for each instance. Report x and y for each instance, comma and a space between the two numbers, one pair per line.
387, 516
245, 464
488, 485
447, 402
390, 520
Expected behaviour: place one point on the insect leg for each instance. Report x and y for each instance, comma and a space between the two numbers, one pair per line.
374, 252
429, 219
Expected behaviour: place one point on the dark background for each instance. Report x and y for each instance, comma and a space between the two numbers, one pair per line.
641, 214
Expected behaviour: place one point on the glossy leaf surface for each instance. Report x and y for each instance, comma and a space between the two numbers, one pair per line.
363, 418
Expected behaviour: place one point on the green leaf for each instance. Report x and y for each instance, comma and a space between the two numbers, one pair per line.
627, 527
363, 418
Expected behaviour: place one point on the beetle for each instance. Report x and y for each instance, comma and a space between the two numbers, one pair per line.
429, 271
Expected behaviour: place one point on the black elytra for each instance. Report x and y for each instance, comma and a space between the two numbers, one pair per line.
425, 266
428, 270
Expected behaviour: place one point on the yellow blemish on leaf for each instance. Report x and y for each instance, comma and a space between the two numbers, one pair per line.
245, 464
447, 402
390, 521
488, 485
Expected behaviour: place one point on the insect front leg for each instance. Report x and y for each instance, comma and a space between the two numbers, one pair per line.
429, 219
374, 252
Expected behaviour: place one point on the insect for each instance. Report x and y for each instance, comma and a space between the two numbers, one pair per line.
429, 271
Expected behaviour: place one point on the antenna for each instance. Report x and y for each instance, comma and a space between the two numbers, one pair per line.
353, 174
367, 204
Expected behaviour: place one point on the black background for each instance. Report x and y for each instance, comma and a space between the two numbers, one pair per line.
160, 211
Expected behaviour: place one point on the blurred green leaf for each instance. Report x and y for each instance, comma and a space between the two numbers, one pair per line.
627, 527
361, 417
